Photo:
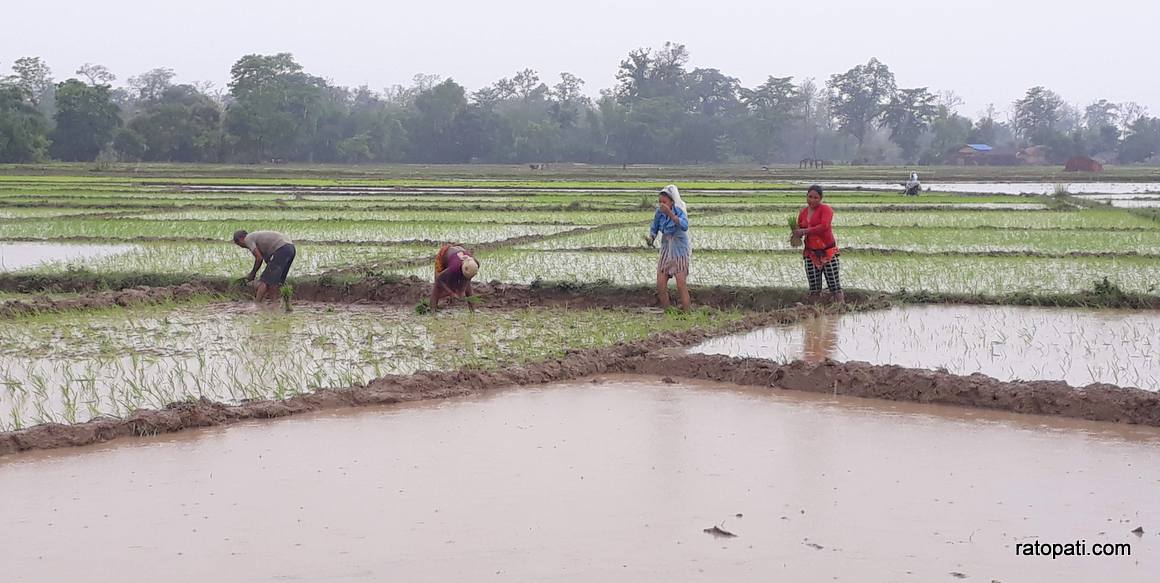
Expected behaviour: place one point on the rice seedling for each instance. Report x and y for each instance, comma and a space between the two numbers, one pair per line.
73, 367
889, 273
1073, 345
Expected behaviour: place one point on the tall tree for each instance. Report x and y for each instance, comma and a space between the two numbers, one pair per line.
86, 118
1036, 114
1142, 142
275, 107
647, 74
772, 106
96, 74
152, 84
33, 76
567, 100
710, 92
23, 129
908, 116
859, 97
432, 126
179, 125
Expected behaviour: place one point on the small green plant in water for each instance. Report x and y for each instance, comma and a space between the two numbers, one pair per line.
287, 292
423, 307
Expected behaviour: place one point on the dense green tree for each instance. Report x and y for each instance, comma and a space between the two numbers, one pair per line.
179, 125
275, 108
859, 97
909, 115
432, 124
33, 76
23, 129
1142, 142
86, 118
659, 111
1036, 114
773, 107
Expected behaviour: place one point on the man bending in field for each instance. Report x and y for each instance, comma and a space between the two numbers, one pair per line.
454, 268
276, 251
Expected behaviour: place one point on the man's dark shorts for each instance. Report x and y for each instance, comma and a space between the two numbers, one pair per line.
278, 265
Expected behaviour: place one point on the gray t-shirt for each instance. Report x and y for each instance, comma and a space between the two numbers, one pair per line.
266, 242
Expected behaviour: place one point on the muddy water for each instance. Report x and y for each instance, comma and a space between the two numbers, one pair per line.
1008, 343
14, 255
594, 482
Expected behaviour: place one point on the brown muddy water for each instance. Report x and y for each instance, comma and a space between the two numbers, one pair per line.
21, 255
607, 480
1080, 347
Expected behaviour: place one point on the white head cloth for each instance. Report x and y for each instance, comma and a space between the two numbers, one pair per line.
675, 194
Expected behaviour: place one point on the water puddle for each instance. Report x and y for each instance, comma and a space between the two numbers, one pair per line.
1007, 343
594, 482
20, 255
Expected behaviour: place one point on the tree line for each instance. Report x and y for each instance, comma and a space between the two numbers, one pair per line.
659, 111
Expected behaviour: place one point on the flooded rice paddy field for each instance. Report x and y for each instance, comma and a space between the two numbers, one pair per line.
952, 273
616, 479
1080, 347
604, 478
1010, 188
939, 242
72, 367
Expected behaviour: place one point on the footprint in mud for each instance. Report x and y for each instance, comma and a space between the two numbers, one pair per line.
1138, 531
958, 575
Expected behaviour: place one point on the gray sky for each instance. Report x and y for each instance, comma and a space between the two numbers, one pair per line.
985, 50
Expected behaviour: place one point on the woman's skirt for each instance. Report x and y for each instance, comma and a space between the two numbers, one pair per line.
675, 255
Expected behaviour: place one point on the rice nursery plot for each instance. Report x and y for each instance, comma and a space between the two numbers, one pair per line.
73, 367
408, 216
43, 212
918, 240
948, 218
870, 271
131, 193
383, 231
222, 259
1008, 343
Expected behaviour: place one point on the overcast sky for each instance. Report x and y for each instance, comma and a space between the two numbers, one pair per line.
985, 50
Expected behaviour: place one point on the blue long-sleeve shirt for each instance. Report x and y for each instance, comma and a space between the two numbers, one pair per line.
663, 224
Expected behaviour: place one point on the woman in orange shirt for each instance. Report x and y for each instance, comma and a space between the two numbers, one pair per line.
820, 255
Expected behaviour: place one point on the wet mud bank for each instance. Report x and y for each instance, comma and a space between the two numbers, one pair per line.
135, 296
496, 294
1095, 402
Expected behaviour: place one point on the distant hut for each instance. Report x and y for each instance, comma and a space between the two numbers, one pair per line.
1083, 164
971, 155
1034, 155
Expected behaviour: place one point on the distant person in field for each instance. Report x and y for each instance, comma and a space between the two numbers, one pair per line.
671, 221
276, 251
455, 266
913, 186
820, 254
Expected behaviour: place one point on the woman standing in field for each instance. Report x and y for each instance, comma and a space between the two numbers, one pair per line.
454, 268
672, 221
820, 254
